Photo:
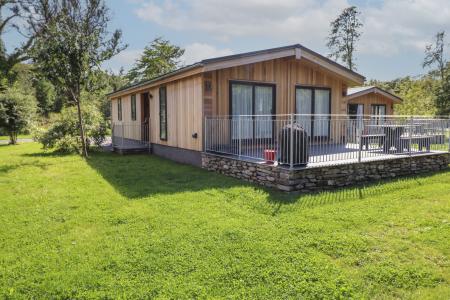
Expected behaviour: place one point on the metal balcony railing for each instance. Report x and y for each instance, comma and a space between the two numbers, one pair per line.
312, 140
130, 136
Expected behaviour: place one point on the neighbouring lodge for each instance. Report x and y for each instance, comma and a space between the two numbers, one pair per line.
288, 107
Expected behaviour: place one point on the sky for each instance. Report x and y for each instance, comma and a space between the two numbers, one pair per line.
392, 45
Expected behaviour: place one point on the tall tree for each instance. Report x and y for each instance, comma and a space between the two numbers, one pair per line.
435, 55
13, 14
73, 45
345, 32
158, 58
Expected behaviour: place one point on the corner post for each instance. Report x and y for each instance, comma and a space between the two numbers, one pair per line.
411, 122
291, 142
112, 135
240, 134
123, 133
360, 133
448, 137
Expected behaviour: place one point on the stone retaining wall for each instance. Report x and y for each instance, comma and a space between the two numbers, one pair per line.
327, 177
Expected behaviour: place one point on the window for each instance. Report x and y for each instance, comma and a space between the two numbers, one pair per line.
133, 107
163, 113
315, 105
256, 102
378, 111
119, 109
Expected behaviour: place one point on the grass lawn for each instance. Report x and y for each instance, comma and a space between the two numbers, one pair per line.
20, 136
140, 226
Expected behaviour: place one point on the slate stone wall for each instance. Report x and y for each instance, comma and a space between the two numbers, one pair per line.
327, 177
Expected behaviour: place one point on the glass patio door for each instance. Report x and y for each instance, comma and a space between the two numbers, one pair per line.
251, 107
241, 111
321, 113
314, 104
378, 113
263, 110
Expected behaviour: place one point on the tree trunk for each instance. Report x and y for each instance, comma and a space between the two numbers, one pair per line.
81, 126
13, 138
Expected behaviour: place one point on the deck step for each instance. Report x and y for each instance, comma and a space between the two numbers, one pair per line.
125, 151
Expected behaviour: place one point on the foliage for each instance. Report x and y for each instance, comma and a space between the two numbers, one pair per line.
443, 97
435, 55
143, 227
72, 45
12, 17
16, 112
158, 58
102, 83
345, 32
45, 96
417, 94
63, 134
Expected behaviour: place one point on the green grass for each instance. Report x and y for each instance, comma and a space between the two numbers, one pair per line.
21, 136
140, 227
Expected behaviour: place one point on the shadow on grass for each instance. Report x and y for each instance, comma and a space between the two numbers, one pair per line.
141, 175
9, 168
350, 193
137, 176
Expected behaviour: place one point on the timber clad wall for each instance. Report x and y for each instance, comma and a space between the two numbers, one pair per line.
132, 129
370, 99
191, 98
184, 114
286, 73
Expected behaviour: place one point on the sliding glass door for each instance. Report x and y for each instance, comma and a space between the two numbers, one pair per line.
252, 105
314, 105
378, 113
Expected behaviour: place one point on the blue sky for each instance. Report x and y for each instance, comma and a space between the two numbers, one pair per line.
392, 45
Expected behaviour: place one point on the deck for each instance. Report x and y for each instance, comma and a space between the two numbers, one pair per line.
336, 154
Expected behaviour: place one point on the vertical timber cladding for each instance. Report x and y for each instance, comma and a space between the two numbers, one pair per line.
184, 113
372, 98
132, 127
286, 73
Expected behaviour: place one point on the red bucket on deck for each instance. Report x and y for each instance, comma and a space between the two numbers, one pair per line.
269, 155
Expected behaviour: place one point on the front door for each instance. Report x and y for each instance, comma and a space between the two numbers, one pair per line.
145, 117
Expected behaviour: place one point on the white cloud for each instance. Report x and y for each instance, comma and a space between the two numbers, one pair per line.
124, 59
198, 51
194, 52
403, 24
291, 20
390, 27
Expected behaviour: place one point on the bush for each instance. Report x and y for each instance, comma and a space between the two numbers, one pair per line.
16, 112
63, 133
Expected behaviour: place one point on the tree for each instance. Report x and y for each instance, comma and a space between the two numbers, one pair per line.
345, 32
16, 112
13, 14
434, 55
443, 97
45, 95
158, 58
72, 45
62, 133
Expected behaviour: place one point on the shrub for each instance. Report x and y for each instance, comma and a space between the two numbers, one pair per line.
16, 112
63, 133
